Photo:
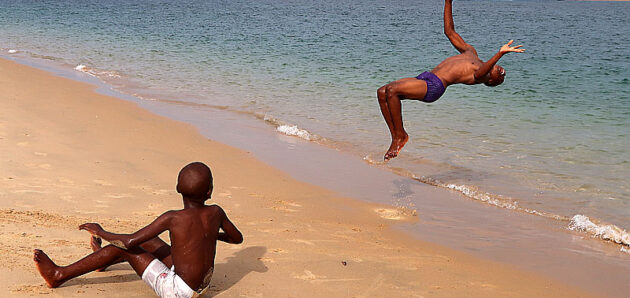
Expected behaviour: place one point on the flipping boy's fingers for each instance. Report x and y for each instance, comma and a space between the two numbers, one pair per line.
518, 46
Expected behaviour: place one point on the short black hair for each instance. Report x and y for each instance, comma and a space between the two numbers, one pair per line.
194, 180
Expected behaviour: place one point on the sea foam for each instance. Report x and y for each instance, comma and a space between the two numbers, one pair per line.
12, 51
603, 231
88, 70
293, 130
82, 68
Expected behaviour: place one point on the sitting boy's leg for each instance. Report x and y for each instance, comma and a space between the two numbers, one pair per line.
56, 275
156, 246
159, 249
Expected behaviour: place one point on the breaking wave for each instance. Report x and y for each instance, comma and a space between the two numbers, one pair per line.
578, 223
292, 130
603, 231
96, 73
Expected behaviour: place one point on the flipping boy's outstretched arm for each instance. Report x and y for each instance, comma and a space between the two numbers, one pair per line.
487, 66
126, 241
449, 30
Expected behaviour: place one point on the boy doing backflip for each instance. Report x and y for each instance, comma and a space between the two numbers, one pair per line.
194, 232
465, 68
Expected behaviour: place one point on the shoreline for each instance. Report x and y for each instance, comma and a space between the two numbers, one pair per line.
510, 196
275, 199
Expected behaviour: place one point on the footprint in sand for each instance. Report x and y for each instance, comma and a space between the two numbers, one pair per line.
154, 206
308, 275
65, 181
67, 198
266, 260
40, 153
118, 196
388, 213
225, 194
102, 182
102, 204
45, 166
160, 192
292, 204
147, 213
22, 144
286, 206
482, 285
302, 241
31, 289
28, 191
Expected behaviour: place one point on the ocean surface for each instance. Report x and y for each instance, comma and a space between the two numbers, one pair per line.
553, 140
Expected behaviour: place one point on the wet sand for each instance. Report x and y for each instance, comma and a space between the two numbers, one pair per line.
70, 155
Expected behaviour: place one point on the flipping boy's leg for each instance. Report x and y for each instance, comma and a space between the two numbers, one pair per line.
56, 275
408, 88
381, 94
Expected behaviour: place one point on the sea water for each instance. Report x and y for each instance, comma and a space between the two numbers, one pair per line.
553, 140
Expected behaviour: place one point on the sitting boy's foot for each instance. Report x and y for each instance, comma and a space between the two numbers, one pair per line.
95, 244
47, 268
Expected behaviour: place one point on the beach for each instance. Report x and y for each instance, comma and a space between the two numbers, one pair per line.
95, 158
518, 190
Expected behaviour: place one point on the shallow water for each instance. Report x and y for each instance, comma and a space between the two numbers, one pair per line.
552, 140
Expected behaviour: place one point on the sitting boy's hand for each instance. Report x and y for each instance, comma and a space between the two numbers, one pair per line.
92, 228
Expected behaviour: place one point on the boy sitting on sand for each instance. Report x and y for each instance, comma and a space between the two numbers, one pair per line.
194, 232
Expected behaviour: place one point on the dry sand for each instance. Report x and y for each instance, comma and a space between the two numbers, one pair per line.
70, 155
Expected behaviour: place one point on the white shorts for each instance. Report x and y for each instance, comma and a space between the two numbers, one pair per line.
165, 282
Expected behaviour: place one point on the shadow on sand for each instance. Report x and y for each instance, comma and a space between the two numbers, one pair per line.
237, 266
225, 275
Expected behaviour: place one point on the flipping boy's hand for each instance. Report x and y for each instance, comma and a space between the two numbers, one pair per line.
92, 228
506, 48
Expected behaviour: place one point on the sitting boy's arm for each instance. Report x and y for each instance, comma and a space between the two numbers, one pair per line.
127, 241
230, 233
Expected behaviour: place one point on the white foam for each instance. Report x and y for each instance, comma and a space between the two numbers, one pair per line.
85, 69
608, 232
271, 119
471, 192
12, 51
81, 67
293, 130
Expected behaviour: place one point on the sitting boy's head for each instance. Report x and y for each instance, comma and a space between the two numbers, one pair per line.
195, 181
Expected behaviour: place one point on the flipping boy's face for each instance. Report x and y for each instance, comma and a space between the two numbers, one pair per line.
497, 75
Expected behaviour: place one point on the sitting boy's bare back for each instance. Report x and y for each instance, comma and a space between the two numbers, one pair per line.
194, 233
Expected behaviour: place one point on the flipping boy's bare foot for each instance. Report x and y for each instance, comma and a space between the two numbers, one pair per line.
47, 269
395, 147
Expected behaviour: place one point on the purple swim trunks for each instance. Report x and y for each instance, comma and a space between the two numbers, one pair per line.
435, 88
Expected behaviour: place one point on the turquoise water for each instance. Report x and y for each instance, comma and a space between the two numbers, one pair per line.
553, 139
